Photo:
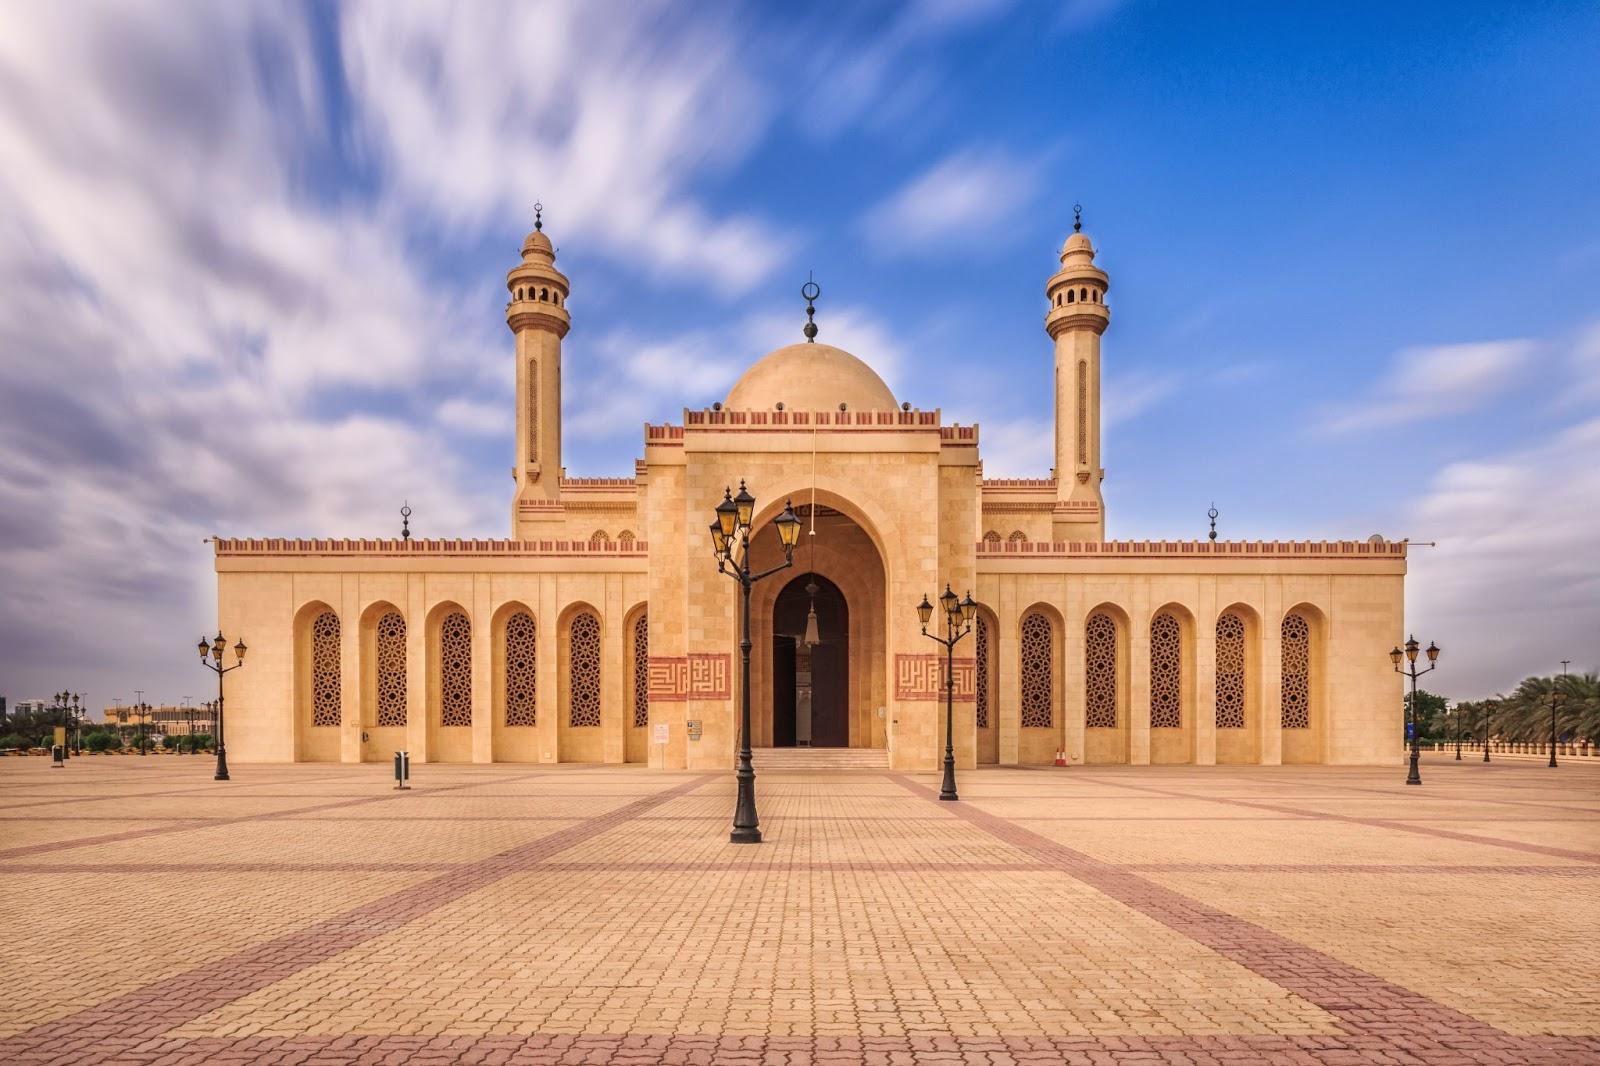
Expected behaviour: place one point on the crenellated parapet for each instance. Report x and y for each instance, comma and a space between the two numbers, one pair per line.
259, 546
1195, 549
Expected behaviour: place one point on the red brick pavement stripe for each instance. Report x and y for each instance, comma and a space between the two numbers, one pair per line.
1364, 1004
1375, 823
1355, 868
223, 867
549, 1048
124, 1022
177, 825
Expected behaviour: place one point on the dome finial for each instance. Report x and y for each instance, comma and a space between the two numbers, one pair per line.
810, 290
405, 520
1077, 218
538, 215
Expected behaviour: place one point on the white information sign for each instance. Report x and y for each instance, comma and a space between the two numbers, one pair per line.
661, 732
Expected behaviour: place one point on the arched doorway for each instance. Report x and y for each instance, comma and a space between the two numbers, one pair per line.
810, 682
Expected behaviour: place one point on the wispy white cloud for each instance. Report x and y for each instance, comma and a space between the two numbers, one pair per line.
975, 192
1124, 398
1513, 585
1432, 382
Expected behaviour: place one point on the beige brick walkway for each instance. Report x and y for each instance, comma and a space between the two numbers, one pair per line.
572, 914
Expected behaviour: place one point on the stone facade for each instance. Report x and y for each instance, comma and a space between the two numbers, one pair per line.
603, 625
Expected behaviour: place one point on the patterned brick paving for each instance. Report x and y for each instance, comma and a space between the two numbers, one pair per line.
567, 914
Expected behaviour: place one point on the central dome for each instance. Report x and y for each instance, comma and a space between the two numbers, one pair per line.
810, 377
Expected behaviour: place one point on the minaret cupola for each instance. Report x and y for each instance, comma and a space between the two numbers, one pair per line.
538, 290
1077, 292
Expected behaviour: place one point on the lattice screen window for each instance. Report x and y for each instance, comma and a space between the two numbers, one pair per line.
1230, 672
980, 644
391, 646
583, 670
641, 672
625, 538
1083, 413
1100, 672
1166, 673
1038, 672
598, 537
325, 677
991, 539
522, 700
533, 411
1018, 537
1296, 639
455, 670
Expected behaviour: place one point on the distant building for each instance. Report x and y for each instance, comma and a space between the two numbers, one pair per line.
32, 706
172, 719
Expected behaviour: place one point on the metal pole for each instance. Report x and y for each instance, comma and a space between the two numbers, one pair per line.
746, 826
222, 749
947, 791
1458, 730
1414, 778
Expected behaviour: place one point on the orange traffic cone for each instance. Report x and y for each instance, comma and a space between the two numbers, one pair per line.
1061, 758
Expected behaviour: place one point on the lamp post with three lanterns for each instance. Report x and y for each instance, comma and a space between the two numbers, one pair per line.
214, 649
730, 539
958, 616
1410, 655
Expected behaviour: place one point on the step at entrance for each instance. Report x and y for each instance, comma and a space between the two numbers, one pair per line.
787, 759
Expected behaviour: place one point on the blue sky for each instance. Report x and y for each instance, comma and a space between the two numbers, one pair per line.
253, 261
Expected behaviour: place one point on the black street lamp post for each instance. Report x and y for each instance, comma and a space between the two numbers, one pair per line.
958, 616
1485, 732
142, 709
215, 649
730, 539
1410, 655
1458, 730
1554, 692
63, 710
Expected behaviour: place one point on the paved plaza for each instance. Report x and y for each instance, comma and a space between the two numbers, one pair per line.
583, 914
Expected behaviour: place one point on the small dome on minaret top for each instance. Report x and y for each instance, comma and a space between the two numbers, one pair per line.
1077, 291
538, 290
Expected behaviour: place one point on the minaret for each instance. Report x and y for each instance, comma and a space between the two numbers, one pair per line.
1078, 315
537, 315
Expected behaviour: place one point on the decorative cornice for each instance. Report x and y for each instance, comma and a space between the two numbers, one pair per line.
1015, 484
597, 484
1180, 549
235, 546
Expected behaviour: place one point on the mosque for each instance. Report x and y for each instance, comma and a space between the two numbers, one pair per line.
601, 631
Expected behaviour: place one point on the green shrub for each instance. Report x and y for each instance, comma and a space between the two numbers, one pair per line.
201, 741
102, 742
171, 741
16, 740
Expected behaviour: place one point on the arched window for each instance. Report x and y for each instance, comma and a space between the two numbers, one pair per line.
991, 539
455, 670
1295, 636
519, 294
544, 295
391, 651
1071, 296
325, 675
1166, 672
1038, 671
1018, 537
1083, 294
625, 538
583, 670
1100, 672
641, 671
521, 673
598, 537
1230, 671
980, 651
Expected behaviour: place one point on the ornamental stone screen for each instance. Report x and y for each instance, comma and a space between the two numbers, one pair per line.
325, 675
980, 638
522, 701
455, 670
1038, 680
1230, 671
1296, 639
641, 672
1166, 673
583, 670
1100, 672
391, 651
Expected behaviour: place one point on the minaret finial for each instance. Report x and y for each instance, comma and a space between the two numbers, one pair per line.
538, 213
810, 290
1211, 513
405, 520
1077, 218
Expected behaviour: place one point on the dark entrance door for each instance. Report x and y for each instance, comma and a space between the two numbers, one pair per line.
826, 666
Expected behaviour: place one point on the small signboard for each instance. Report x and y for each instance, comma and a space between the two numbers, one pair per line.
694, 729
661, 733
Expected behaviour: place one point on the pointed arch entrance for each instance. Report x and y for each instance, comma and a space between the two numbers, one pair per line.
850, 674
810, 681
